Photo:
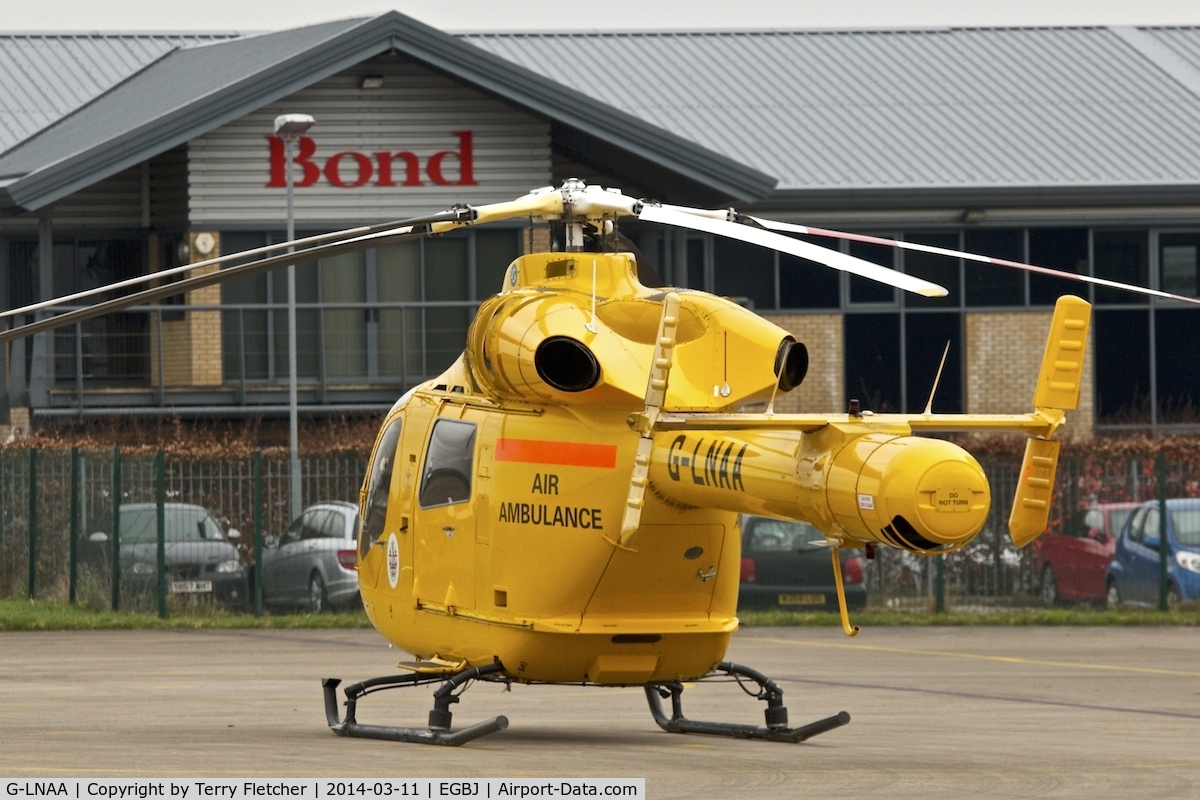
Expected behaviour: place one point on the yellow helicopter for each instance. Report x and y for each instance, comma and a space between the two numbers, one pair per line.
561, 505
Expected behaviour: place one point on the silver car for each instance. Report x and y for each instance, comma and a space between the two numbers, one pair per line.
313, 564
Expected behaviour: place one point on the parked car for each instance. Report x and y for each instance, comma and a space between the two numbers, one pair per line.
1133, 575
201, 559
314, 563
782, 568
1072, 561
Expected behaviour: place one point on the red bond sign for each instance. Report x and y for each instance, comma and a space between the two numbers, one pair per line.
350, 169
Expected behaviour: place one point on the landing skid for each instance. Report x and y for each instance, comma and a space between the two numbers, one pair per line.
440, 717
776, 729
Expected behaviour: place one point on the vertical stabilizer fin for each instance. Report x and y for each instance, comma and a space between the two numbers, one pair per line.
1061, 375
1035, 486
1058, 385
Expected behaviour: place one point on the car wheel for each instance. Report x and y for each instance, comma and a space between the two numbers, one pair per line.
1113, 597
316, 594
1172, 598
1049, 587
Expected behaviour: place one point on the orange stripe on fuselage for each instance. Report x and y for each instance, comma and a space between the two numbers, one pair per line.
567, 454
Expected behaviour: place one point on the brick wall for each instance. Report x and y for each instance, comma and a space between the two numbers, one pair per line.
192, 346
823, 388
541, 239
1004, 352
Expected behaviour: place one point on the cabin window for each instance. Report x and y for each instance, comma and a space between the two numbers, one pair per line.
378, 487
446, 478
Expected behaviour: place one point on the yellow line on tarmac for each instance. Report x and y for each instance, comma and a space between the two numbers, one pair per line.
975, 656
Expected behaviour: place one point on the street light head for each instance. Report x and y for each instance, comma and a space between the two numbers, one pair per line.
291, 126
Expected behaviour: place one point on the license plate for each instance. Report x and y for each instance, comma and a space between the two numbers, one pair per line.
190, 587
811, 599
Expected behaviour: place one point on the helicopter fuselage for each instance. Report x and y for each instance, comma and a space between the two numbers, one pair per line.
505, 481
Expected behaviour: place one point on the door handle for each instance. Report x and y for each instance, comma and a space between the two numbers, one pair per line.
448, 530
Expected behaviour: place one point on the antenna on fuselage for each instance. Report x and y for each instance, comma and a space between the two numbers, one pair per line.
591, 326
936, 380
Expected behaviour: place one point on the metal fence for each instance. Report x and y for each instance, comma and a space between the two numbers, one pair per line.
74, 502
989, 572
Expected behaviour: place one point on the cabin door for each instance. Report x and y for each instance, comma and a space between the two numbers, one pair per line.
444, 559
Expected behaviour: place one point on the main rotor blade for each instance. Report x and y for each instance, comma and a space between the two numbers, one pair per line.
544, 203
941, 251
460, 214
705, 221
219, 276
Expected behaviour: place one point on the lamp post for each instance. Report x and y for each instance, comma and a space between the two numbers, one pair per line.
289, 128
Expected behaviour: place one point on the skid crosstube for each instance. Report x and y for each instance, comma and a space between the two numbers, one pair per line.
776, 729
440, 717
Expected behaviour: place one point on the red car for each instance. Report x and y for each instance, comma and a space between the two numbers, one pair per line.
1073, 560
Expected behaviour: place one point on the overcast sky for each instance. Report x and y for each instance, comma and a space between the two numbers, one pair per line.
456, 15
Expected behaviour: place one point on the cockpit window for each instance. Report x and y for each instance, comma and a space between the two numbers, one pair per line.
378, 486
447, 475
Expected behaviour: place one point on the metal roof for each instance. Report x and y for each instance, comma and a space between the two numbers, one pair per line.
45, 76
192, 90
836, 115
858, 118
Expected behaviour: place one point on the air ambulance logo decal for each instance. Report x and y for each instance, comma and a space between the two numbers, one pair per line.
393, 560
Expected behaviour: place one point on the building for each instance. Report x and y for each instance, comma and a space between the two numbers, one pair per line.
1077, 149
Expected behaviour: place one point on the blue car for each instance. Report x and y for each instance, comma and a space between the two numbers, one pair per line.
1132, 576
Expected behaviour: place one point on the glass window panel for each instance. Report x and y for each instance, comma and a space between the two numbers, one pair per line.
1176, 332
1178, 260
494, 251
1063, 249
316, 528
307, 284
398, 280
67, 277
1121, 256
446, 478
445, 279
743, 272
344, 280
308, 342
989, 285
22, 267
807, 284
695, 264
926, 336
308, 321
244, 332
942, 270
1122, 359
873, 361
115, 347
379, 486
865, 290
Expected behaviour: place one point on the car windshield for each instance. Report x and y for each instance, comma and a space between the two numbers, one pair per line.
1118, 519
139, 526
1187, 526
780, 536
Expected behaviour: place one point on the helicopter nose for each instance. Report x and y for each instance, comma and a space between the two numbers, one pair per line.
917, 494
